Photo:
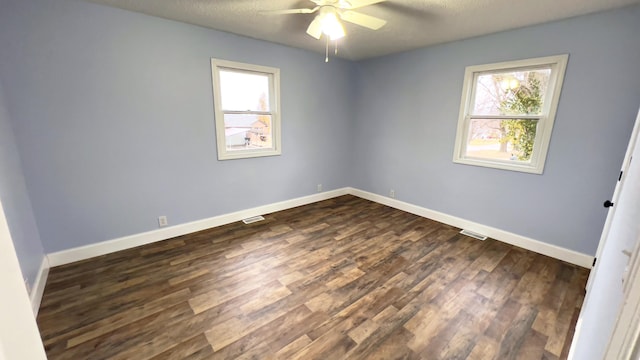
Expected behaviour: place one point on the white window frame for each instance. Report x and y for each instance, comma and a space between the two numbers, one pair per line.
545, 120
274, 106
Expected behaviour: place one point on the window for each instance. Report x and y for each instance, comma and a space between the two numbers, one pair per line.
507, 112
246, 100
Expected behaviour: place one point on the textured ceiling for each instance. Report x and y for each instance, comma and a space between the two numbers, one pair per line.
410, 23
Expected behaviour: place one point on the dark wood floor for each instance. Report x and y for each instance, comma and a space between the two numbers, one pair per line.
340, 279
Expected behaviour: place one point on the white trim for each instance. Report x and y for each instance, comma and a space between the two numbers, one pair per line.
274, 106
540, 247
127, 242
37, 289
558, 65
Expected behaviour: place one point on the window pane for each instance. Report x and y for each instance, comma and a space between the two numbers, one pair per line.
511, 92
242, 91
499, 139
247, 131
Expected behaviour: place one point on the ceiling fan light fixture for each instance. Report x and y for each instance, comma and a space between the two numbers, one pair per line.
331, 26
331, 13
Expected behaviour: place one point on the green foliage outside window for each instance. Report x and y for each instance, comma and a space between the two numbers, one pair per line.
524, 99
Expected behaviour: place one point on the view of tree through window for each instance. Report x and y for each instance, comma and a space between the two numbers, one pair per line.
515, 94
507, 113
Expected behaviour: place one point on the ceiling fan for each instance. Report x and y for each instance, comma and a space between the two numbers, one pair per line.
326, 22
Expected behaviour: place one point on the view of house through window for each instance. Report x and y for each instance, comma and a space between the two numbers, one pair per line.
507, 113
245, 101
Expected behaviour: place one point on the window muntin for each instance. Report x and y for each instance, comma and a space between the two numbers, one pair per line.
507, 113
246, 106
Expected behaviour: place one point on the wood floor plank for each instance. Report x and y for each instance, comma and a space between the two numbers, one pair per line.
515, 335
156, 329
533, 346
393, 348
185, 349
485, 348
116, 321
344, 278
261, 339
235, 328
331, 345
293, 347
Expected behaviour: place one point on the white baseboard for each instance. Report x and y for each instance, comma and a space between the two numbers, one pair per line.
127, 242
37, 290
540, 247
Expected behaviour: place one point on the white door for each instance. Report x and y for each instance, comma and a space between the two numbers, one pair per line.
605, 289
19, 336
624, 172
625, 341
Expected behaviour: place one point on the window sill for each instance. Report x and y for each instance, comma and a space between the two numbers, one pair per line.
247, 154
530, 168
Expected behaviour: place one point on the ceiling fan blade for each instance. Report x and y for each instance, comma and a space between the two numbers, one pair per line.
355, 4
315, 28
293, 11
361, 19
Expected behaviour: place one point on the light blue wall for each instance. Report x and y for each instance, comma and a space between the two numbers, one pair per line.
113, 115
113, 119
16, 202
407, 112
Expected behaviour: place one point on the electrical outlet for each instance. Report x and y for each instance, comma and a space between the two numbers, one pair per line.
392, 194
319, 188
162, 221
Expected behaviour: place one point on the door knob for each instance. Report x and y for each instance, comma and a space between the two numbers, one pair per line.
608, 203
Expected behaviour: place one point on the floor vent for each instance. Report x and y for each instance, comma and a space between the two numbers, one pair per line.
252, 219
473, 235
